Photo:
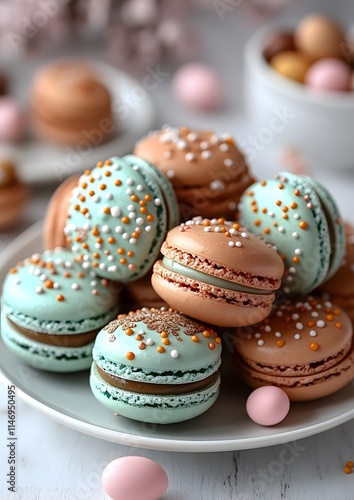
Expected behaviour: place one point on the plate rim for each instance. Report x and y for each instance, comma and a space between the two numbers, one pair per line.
153, 443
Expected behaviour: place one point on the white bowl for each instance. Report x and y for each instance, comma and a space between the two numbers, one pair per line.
320, 126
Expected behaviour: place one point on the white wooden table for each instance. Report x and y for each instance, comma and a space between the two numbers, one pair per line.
55, 462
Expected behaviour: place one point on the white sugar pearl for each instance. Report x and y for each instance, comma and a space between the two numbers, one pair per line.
39, 290
313, 333
149, 341
115, 211
75, 286
105, 229
119, 229
297, 336
260, 342
174, 353
109, 196
320, 323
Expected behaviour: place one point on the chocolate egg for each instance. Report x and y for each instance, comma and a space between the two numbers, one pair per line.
319, 36
279, 42
134, 478
268, 405
291, 64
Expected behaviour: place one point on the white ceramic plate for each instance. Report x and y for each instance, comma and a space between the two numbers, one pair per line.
133, 111
67, 398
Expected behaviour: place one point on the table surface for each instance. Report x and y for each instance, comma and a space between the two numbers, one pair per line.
55, 462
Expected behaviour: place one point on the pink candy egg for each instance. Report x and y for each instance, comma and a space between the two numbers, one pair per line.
134, 478
11, 120
198, 87
267, 405
329, 74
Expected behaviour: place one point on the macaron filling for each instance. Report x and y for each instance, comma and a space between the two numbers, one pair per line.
178, 268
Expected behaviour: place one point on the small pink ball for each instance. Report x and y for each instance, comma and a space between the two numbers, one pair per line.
11, 120
267, 405
329, 75
198, 87
134, 478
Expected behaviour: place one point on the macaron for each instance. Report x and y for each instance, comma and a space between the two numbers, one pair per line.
119, 216
57, 213
208, 172
297, 215
69, 104
157, 366
13, 195
341, 286
216, 271
52, 310
305, 347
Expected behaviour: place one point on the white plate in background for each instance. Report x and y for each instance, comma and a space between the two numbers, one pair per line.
133, 111
67, 399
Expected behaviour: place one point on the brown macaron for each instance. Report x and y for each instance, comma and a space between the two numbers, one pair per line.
70, 104
305, 347
341, 286
208, 172
215, 271
13, 195
57, 214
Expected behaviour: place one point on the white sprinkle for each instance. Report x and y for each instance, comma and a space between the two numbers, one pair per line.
278, 334
281, 229
257, 335
296, 216
292, 270
39, 290
270, 213
182, 144
75, 286
140, 221
192, 136
299, 326
228, 162
96, 198
286, 289
148, 229
86, 226
86, 265
98, 246
141, 332
131, 208
129, 191
289, 278
217, 229
68, 264
244, 235
297, 336
157, 202
170, 173
313, 333
102, 266
110, 258
43, 277
204, 145
132, 241
149, 341
88, 215
118, 229
136, 168
238, 244
328, 304
295, 235
231, 243
267, 328
129, 181
109, 196
224, 147
112, 269
139, 187
116, 166
56, 286
125, 236
320, 323
131, 215
295, 316
217, 185
93, 283
190, 157
174, 353
207, 229
97, 176
260, 342
297, 251
115, 211
105, 229
205, 154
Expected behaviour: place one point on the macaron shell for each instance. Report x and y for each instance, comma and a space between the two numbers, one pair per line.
304, 339
287, 212
52, 290
57, 213
213, 305
117, 220
304, 388
225, 250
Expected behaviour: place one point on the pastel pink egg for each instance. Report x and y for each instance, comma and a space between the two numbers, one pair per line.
267, 405
134, 478
329, 75
11, 120
198, 86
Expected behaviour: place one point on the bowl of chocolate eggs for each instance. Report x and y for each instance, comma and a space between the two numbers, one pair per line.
300, 81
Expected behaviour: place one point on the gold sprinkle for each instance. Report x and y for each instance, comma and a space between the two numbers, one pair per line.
134, 197
314, 346
211, 346
129, 332
103, 187
280, 343
206, 333
130, 355
339, 325
60, 298
117, 182
278, 203
166, 342
120, 251
303, 224
160, 349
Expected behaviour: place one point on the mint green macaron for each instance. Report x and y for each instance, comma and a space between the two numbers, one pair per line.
118, 217
297, 215
156, 365
52, 309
